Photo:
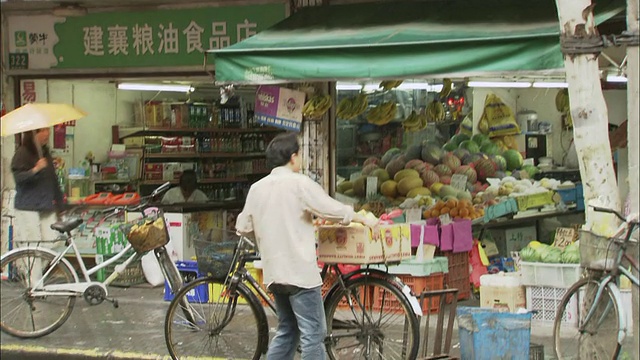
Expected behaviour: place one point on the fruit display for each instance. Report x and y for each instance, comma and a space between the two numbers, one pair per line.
415, 122
383, 113
317, 106
349, 108
456, 209
435, 112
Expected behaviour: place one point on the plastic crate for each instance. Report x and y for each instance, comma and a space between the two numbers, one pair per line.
553, 275
457, 276
189, 272
132, 275
526, 202
417, 284
536, 351
568, 196
488, 334
545, 301
215, 290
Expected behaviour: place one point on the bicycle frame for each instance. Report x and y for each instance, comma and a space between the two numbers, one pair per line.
77, 288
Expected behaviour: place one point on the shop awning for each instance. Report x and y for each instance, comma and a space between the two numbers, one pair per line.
402, 39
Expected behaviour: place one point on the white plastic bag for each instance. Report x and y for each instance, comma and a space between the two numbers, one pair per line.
151, 269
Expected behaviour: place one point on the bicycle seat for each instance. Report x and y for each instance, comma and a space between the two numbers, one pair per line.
66, 225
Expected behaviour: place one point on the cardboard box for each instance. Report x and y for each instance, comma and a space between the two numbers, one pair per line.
513, 239
157, 167
171, 171
109, 239
505, 298
354, 244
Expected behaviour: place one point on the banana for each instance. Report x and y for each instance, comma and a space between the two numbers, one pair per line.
382, 114
349, 108
435, 112
562, 100
317, 106
412, 122
446, 89
390, 84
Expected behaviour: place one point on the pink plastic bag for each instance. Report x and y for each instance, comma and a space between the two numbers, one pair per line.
446, 237
462, 237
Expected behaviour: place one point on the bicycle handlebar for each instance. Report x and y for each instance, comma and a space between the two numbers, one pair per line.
610, 211
144, 201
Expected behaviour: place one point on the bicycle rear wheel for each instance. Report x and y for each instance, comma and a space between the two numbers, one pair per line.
226, 326
24, 315
593, 338
380, 323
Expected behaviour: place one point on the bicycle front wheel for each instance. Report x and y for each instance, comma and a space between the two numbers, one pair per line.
23, 314
371, 319
228, 326
594, 337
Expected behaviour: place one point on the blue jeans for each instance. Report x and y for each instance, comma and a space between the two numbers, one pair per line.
301, 320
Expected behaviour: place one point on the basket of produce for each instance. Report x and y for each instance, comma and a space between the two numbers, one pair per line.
146, 233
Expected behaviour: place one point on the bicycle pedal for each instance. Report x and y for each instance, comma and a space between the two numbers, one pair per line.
113, 302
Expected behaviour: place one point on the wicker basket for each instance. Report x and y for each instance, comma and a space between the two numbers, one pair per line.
215, 254
147, 233
598, 252
132, 275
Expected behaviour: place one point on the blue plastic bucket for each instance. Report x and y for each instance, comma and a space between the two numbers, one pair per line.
488, 334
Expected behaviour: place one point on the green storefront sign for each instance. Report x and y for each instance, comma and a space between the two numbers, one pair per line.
158, 38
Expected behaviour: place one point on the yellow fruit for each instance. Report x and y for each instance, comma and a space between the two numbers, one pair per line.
418, 191
534, 244
435, 188
407, 184
405, 173
389, 188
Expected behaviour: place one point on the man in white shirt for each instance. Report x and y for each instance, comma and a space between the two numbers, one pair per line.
187, 191
278, 213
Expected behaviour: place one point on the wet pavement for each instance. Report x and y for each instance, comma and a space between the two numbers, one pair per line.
135, 331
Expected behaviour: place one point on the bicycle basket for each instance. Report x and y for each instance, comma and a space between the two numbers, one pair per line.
598, 252
146, 233
215, 254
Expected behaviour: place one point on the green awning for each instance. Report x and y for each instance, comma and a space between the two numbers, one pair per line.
402, 39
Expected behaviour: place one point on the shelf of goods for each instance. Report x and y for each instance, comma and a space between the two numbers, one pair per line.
226, 159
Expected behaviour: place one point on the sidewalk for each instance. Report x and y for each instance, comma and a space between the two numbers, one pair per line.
133, 331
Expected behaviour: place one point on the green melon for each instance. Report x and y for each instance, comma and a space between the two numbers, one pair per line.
407, 184
382, 176
414, 152
405, 173
360, 186
500, 162
490, 148
388, 156
450, 146
458, 138
470, 146
432, 153
513, 158
344, 186
448, 190
480, 139
418, 191
389, 188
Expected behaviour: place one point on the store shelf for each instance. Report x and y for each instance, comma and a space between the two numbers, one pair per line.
201, 155
157, 131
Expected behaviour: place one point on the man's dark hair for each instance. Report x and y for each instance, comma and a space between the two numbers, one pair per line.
188, 181
281, 148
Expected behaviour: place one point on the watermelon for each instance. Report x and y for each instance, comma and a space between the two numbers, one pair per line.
469, 172
451, 161
461, 153
490, 148
480, 139
513, 158
432, 153
471, 159
428, 166
500, 162
443, 170
388, 156
531, 170
395, 165
445, 179
414, 164
485, 168
414, 152
450, 146
469, 145
458, 138
429, 178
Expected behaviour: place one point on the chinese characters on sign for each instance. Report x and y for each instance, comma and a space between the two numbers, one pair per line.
31, 42
140, 39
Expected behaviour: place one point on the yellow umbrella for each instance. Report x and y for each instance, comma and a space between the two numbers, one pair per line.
37, 116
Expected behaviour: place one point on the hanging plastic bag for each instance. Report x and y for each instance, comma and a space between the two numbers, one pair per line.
151, 269
466, 126
497, 118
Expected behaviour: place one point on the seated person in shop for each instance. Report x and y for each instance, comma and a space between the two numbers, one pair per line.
187, 191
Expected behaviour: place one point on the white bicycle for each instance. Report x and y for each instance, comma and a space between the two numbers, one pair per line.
40, 290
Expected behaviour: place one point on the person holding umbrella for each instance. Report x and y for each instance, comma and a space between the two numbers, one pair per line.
38, 198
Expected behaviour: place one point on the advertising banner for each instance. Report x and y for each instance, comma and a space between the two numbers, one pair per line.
279, 107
